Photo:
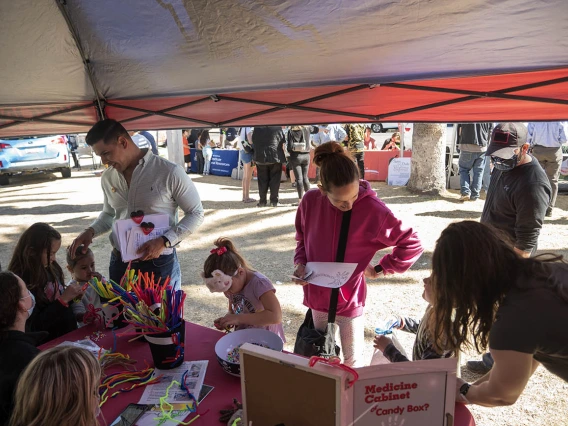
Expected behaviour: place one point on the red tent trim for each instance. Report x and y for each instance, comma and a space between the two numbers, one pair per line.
529, 96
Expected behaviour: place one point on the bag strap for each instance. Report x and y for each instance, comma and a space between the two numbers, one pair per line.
339, 257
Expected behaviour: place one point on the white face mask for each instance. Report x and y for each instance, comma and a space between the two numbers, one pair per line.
30, 294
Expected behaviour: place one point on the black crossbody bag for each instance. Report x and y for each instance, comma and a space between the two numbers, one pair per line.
309, 340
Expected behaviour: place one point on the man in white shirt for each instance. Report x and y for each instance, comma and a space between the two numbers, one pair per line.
139, 183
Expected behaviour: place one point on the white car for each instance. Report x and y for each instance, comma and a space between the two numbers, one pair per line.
33, 155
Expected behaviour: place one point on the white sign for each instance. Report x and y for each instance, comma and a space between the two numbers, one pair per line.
399, 171
409, 400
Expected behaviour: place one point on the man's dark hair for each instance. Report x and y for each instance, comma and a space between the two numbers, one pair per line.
107, 130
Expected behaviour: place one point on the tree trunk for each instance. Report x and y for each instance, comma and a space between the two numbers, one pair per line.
175, 147
427, 173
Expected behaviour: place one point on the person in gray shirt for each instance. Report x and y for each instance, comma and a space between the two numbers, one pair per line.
139, 183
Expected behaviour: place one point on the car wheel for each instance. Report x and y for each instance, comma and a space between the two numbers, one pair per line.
4, 180
376, 128
66, 172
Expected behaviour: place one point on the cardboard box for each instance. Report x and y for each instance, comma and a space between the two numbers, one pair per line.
281, 389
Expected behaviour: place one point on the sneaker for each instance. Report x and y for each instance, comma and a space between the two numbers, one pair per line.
548, 212
478, 367
474, 199
260, 204
464, 198
276, 205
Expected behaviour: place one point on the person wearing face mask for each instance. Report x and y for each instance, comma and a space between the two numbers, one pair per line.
518, 196
373, 227
17, 348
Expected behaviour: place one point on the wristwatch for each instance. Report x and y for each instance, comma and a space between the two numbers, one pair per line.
464, 388
378, 269
167, 243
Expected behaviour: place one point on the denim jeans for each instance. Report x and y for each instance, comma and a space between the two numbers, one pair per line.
207, 155
471, 162
163, 266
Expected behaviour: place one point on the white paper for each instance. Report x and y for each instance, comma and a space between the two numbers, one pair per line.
122, 227
329, 274
194, 381
136, 237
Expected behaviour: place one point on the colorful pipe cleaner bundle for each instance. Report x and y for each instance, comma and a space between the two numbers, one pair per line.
135, 379
151, 306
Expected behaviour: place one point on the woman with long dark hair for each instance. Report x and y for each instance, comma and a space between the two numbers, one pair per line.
486, 294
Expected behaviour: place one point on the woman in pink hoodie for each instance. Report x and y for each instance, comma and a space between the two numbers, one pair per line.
373, 227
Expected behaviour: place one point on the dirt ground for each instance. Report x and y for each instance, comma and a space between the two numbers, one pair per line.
266, 238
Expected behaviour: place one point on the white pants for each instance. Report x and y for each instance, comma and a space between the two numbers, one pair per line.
351, 333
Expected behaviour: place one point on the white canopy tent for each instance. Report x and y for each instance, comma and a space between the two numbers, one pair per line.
180, 63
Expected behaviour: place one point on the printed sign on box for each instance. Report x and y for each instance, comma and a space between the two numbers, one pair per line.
415, 398
399, 171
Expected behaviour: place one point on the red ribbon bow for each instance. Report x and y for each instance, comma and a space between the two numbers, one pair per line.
219, 251
92, 315
336, 362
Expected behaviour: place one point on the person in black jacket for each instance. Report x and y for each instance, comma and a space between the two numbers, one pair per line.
518, 196
268, 146
17, 348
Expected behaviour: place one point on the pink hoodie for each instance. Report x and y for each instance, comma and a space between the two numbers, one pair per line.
373, 227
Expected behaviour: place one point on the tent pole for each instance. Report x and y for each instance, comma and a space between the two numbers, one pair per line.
163, 114
500, 94
278, 107
140, 117
86, 62
42, 117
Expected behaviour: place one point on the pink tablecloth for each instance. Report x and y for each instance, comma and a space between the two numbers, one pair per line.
199, 345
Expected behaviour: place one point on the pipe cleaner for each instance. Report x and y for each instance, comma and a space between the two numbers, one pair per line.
166, 408
138, 378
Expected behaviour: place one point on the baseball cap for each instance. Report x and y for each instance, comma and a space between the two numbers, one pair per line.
506, 137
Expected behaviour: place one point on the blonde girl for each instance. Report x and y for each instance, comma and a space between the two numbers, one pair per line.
61, 384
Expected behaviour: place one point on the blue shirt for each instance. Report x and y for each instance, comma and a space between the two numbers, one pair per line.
550, 135
331, 132
152, 141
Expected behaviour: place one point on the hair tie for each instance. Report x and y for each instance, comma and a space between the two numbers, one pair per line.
219, 251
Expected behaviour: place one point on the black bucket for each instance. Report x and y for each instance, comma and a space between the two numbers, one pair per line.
167, 348
118, 322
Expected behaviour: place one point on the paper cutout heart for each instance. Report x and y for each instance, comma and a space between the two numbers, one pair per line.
147, 227
137, 216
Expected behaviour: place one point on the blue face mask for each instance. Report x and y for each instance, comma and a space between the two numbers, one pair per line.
30, 294
505, 165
